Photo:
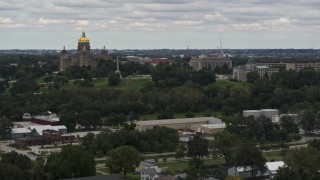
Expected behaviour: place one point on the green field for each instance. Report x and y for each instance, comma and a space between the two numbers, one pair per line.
224, 83
132, 85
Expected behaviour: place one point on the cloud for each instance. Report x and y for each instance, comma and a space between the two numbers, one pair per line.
175, 16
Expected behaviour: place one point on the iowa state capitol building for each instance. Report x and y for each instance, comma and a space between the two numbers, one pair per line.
83, 56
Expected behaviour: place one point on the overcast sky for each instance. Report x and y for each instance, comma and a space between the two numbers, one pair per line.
154, 24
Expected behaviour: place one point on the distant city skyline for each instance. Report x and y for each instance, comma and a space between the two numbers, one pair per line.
160, 24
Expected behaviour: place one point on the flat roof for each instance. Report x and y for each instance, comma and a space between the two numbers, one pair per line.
20, 130
214, 126
274, 166
210, 120
47, 118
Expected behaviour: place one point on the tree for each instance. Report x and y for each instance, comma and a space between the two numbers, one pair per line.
38, 171
114, 80
315, 143
286, 173
123, 159
247, 154
21, 161
69, 120
5, 128
308, 120
225, 143
288, 123
89, 118
9, 171
88, 141
180, 153
196, 169
304, 162
252, 76
71, 162
198, 147
203, 77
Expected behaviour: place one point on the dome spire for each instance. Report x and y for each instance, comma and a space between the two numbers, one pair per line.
83, 33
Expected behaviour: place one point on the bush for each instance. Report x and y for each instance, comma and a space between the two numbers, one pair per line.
189, 114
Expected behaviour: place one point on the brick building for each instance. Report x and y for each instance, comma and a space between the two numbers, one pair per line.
48, 137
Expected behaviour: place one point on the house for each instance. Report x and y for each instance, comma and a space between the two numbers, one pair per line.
153, 174
145, 165
245, 171
149, 174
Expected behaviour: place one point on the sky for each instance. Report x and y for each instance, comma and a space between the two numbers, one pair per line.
160, 24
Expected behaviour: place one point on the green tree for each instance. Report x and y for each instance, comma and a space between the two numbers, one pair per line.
252, 76
196, 170
71, 162
123, 159
288, 123
88, 141
38, 171
286, 173
225, 143
304, 162
114, 80
69, 120
315, 143
308, 120
203, 77
5, 128
21, 161
9, 171
198, 147
247, 154
180, 153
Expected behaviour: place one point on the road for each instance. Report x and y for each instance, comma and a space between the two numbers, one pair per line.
6, 148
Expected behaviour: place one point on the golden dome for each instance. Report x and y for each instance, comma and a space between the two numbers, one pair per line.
83, 39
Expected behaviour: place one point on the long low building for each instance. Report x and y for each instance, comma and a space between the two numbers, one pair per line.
199, 124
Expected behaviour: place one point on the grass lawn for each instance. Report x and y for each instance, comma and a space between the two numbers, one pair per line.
224, 83
131, 176
103, 169
132, 85
277, 156
148, 117
40, 80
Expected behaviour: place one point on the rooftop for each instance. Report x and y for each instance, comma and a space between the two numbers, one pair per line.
47, 118
274, 166
208, 120
20, 130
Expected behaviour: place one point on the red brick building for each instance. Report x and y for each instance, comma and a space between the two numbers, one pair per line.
45, 120
48, 137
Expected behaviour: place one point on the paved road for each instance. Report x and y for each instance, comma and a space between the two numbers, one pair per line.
6, 148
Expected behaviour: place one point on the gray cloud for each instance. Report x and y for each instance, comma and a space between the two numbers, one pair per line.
176, 16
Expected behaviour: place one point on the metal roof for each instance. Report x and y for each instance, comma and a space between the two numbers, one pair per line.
210, 120
20, 130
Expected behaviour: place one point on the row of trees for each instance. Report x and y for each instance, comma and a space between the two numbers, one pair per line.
158, 139
71, 162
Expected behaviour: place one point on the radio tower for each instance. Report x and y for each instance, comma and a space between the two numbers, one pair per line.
221, 53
